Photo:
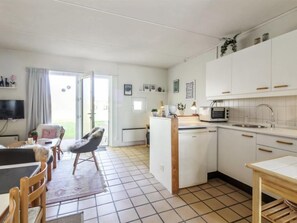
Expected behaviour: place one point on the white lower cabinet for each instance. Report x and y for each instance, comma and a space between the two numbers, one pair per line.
235, 149
212, 150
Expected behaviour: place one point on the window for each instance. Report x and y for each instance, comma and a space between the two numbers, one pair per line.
138, 104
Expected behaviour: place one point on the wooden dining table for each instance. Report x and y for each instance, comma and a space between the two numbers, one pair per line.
10, 176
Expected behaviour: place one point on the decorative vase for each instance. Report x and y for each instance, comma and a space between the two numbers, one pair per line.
181, 112
35, 138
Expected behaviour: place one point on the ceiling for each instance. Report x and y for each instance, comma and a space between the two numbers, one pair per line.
159, 33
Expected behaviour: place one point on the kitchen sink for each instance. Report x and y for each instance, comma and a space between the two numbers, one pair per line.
249, 126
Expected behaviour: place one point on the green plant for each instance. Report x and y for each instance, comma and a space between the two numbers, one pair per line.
181, 106
34, 133
229, 41
154, 110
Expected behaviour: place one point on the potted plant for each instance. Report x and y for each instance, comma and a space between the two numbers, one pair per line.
181, 108
154, 112
34, 135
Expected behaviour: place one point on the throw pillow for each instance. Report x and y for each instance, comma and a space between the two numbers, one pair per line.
78, 144
96, 134
49, 133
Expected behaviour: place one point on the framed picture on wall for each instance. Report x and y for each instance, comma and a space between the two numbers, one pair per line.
176, 86
128, 89
191, 90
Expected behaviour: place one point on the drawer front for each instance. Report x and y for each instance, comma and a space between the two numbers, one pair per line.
267, 153
283, 143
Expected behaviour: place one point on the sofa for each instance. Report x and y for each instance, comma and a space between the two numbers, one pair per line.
21, 155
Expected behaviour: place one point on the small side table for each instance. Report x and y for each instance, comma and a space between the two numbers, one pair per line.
278, 176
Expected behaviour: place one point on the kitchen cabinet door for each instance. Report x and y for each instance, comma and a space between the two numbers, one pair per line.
212, 150
218, 77
284, 65
251, 69
235, 149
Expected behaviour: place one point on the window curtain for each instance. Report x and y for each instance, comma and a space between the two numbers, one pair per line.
39, 109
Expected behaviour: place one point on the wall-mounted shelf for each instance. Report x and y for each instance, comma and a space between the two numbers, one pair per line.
7, 87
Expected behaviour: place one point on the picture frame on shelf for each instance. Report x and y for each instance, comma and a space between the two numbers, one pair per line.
146, 87
128, 89
191, 90
153, 87
176, 86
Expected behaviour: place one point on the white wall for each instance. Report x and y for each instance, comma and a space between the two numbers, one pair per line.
191, 70
15, 62
195, 69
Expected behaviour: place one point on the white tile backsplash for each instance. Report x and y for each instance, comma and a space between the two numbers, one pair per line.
285, 110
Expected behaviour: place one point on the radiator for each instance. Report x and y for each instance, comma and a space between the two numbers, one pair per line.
5, 140
133, 134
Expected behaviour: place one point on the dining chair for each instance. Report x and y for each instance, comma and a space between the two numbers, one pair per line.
33, 198
14, 204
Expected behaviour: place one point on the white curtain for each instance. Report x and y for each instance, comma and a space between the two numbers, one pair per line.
39, 109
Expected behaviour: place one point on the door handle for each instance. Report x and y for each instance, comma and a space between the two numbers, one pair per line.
265, 150
286, 143
249, 136
212, 131
262, 88
281, 86
226, 92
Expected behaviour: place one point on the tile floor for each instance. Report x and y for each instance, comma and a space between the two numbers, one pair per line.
134, 195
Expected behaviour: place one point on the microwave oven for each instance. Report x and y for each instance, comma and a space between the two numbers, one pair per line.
214, 114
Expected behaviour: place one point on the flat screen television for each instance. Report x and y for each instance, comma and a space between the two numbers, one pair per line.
11, 109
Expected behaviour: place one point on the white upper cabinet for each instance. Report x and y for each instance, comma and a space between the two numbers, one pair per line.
284, 63
251, 69
218, 77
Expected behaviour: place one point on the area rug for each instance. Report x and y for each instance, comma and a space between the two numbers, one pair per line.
65, 186
73, 218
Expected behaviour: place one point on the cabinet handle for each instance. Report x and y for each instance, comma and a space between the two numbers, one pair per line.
226, 92
281, 86
262, 88
249, 136
265, 150
212, 131
282, 142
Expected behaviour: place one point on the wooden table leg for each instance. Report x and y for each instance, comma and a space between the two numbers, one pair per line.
55, 157
49, 172
257, 197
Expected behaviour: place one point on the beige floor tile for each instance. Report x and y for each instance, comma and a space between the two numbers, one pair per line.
123, 204
155, 196
183, 191
152, 219
114, 182
134, 192
202, 195
116, 188
130, 185
165, 193
186, 212
214, 204
170, 217
214, 192
189, 198
226, 200
128, 215
215, 182
201, 208
205, 186
106, 209
194, 189
241, 210
68, 207
161, 206
176, 202
119, 195
104, 199
148, 189
248, 204
139, 200
196, 220
238, 196
145, 210
90, 213
225, 189
213, 218
52, 211
229, 215
242, 221
86, 203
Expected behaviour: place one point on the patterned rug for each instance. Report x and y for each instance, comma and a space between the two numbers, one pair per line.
65, 186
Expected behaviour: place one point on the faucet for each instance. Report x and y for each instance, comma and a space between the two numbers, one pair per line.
272, 122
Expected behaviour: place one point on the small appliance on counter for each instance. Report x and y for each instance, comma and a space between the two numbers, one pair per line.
214, 114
